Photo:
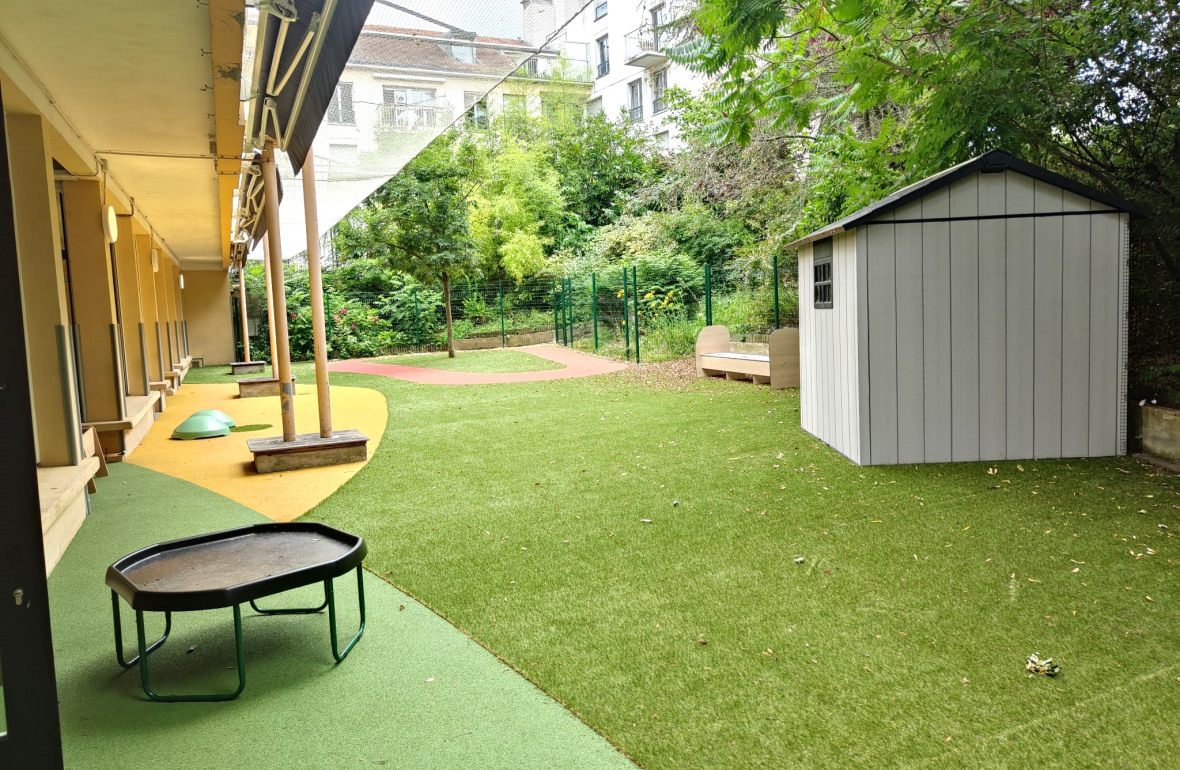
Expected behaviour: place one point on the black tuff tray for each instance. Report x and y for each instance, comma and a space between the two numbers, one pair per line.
234, 566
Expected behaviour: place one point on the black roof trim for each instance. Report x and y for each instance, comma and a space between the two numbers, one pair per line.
988, 163
347, 20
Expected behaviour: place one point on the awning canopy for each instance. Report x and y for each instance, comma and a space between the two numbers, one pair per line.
299, 52
302, 48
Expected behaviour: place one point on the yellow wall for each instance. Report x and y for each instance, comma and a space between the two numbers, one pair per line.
93, 296
51, 379
207, 308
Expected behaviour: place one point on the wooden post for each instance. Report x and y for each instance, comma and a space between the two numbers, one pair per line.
270, 180
315, 278
242, 310
270, 304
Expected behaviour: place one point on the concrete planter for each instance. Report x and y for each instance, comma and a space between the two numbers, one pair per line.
1161, 431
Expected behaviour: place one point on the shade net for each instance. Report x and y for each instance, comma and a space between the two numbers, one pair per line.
418, 68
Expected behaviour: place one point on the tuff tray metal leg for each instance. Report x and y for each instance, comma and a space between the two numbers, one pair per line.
199, 698
119, 635
331, 594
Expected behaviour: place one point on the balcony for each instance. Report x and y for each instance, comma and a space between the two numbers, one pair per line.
571, 65
642, 48
414, 117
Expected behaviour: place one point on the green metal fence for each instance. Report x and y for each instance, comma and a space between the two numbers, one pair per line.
640, 312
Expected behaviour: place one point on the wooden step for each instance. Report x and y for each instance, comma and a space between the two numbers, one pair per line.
308, 450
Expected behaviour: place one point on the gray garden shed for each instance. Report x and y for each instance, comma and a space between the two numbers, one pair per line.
980, 314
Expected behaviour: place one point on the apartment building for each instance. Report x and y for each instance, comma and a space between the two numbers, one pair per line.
632, 72
404, 86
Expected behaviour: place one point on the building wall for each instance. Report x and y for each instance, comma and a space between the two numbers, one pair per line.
829, 353
624, 17
207, 305
999, 338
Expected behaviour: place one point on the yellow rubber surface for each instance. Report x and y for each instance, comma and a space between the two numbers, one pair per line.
224, 465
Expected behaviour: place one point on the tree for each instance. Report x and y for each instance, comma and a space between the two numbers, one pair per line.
880, 93
418, 220
599, 162
518, 209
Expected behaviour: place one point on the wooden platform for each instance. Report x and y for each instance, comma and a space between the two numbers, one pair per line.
253, 387
778, 367
247, 367
62, 490
308, 450
736, 366
121, 437
162, 389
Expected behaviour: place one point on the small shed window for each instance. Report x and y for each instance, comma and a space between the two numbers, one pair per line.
822, 272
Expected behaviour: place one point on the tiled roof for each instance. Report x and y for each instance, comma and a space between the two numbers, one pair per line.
431, 51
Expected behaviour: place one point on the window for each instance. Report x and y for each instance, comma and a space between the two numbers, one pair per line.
659, 84
340, 107
594, 107
514, 103
658, 20
599, 9
464, 54
603, 55
561, 109
342, 157
635, 100
822, 272
410, 109
477, 108
663, 140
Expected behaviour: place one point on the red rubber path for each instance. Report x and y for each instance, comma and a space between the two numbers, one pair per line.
576, 365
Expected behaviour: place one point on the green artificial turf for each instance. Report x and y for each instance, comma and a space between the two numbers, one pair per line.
484, 361
695, 640
221, 374
413, 693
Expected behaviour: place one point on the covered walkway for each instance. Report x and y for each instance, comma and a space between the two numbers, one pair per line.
415, 693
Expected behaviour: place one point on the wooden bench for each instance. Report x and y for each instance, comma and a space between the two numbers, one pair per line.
247, 367
778, 367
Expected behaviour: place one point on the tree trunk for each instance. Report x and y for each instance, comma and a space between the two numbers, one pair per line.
447, 307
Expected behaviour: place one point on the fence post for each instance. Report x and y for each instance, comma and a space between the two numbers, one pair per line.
774, 263
626, 327
417, 323
561, 301
556, 316
635, 302
503, 336
708, 296
594, 307
569, 303
327, 315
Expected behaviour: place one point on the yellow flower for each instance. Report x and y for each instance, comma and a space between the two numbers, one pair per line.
649, 295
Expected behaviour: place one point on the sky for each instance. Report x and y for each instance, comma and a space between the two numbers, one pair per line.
493, 18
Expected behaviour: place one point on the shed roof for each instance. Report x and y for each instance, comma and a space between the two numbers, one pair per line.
988, 163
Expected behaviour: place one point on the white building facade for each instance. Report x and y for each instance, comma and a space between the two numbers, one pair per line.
630, 69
